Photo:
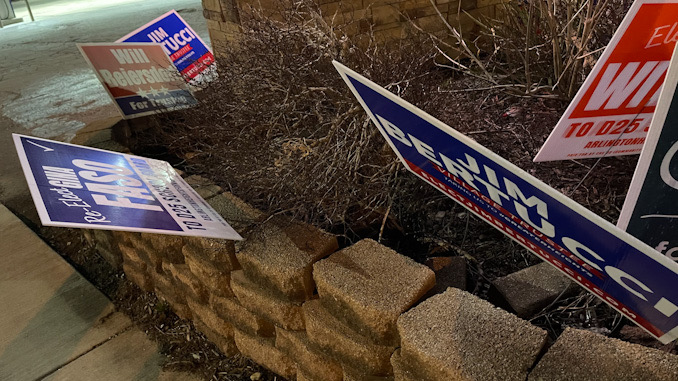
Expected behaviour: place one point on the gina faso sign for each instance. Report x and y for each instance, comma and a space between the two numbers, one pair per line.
621, 270
83, 187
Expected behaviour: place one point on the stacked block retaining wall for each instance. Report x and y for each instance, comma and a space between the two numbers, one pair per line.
286, 298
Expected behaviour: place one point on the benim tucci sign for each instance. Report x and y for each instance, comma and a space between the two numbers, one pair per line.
621, 270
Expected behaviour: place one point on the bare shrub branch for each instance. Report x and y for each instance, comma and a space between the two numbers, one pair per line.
313, 151
536, 48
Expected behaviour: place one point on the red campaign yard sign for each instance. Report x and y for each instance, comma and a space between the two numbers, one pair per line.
612, 111
139, 77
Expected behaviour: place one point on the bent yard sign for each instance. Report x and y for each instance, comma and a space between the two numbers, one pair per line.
624, 272
613, 109
138, 77
650, 210
186, 49
90, 188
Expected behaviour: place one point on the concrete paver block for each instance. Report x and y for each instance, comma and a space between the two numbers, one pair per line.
302, 376
166, 247
401, 372
458, 336
232, 311
180, 308
449, 271
163, 242
357, 375
189, 282
216, 329
196, 180
217, 281
138, 276
344, 344
131, 238
584, 355
133, 256
167, 288
204, 187
140, 252
225, 344
105, 244
286, 314
263, 351
634, 334
279, 256
308, 238
315, 365
235, 211
529, 290
165, 285
368, 285
206, 315
220, 253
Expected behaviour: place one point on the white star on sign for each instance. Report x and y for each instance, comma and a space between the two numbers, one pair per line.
142, 93
164, 90
154, 92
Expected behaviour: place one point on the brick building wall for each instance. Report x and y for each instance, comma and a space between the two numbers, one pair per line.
388, 19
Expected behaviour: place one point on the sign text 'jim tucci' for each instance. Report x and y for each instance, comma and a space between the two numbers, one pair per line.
188, 52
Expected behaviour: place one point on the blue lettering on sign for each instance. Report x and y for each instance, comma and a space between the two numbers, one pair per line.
624, 272
87, 186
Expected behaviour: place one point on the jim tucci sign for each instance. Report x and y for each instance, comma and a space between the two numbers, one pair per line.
186, 49
624, 272
650, 210
612, 111
82, 187
139, 78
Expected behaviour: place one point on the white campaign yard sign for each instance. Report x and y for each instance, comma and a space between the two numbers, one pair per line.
616, 267
612, 111
83, 187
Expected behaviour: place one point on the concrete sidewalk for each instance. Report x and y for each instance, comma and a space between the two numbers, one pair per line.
55, 325
46, 87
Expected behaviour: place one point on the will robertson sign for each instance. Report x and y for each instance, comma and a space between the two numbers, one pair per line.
621, 270
139, 77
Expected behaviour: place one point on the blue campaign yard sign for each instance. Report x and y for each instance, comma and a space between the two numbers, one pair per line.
621, 270
186, 49
84, 187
